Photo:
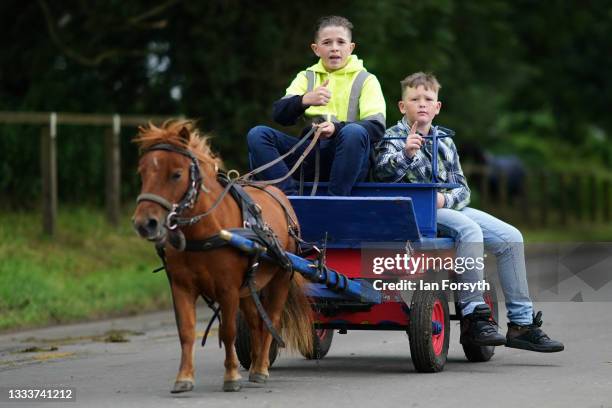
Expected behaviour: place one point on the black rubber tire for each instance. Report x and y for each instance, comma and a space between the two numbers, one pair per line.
424, 358
479, 354
321, 340
243, 344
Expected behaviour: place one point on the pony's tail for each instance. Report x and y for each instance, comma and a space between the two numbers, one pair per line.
296, 320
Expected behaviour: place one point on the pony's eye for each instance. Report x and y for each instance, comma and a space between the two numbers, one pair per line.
176, 175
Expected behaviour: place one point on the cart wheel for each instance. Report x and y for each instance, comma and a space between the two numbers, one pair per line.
243, 344
478, 354
321, 342
429, 331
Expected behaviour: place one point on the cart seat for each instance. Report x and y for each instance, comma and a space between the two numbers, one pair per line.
347, 222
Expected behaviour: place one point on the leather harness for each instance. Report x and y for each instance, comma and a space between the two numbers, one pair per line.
253, 228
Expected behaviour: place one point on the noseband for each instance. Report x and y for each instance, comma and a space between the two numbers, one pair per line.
191, 195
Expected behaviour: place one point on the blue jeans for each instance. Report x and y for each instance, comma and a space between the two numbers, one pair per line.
474, 231
344, 159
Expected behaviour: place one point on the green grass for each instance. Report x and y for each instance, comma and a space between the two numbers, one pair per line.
89, 270
575, 233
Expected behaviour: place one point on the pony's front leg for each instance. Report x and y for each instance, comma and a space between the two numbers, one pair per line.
184, 311
277, 292
229, 309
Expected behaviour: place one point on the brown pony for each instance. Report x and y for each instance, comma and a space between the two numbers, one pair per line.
217, 274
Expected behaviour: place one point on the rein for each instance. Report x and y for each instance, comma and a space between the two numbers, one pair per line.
191, 196
311, 145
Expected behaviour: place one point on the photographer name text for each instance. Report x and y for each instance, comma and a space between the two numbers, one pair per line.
445, 284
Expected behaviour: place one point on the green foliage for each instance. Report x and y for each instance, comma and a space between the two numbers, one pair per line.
522, 77
89, 271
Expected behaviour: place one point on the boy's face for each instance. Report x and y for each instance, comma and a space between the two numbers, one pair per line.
420, 105
333, 46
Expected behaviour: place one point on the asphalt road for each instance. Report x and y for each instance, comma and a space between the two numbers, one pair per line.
361, 369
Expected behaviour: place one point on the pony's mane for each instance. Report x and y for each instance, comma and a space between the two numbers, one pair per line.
168, 132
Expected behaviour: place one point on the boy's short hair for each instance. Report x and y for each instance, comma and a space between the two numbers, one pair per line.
333, 21
426, 80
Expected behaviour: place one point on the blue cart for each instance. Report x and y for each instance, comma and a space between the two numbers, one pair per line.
378, 219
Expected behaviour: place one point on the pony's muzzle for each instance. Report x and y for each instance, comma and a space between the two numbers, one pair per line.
148, 228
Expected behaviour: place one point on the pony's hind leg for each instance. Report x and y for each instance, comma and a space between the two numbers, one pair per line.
251, 316
229, 309
184, 311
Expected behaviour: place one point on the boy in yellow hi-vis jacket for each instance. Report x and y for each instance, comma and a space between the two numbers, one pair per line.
343, 98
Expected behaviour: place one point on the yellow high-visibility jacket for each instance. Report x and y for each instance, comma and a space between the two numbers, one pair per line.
356, 97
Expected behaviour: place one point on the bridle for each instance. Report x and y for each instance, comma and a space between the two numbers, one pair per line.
196, 183
191, 195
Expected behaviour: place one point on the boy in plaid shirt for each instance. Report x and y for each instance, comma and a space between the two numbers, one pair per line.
404, 155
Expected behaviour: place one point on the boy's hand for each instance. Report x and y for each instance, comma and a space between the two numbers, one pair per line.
326, 130
440, 200
414, 141
320, 96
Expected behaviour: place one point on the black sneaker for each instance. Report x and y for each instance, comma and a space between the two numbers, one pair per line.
531, 337
479, 329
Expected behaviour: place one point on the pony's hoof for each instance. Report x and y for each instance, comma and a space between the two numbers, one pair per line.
231, 386
258, 378
182, 386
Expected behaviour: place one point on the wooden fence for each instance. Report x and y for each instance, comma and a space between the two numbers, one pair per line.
541, 199
544, 198
49, 122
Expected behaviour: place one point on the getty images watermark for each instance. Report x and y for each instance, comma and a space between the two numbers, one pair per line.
407, 264
556, 272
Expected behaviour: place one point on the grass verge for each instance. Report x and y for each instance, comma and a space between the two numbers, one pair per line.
576, 233
90, 270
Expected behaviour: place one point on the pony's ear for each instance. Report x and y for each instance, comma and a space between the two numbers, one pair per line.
184, 134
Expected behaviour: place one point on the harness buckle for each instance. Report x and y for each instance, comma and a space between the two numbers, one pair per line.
232, 175
409, 249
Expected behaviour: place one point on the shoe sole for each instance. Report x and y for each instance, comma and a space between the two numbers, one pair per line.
481, 343
532, 347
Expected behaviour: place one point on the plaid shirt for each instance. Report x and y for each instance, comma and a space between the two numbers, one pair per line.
393, 165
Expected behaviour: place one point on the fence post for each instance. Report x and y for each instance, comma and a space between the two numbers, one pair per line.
484, 186
48, 166
504, 191
564, 191
593, 184
525, 200
113, 172
582, 180
606, 200
543, 199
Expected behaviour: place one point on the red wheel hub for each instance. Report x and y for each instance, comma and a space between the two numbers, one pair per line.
437, 315
321, 333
